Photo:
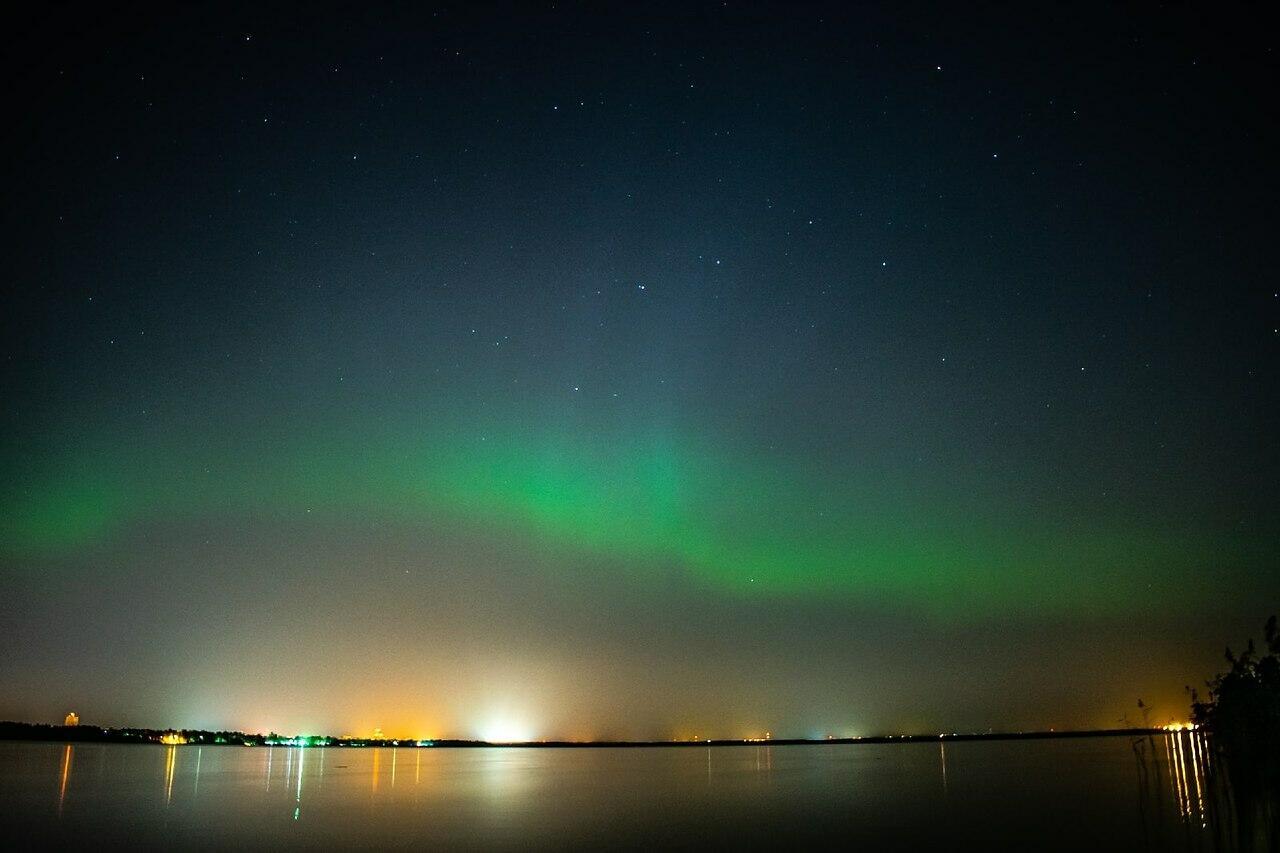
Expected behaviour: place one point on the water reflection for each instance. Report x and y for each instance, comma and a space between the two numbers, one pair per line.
764, 759
1187, 778
1191, 797
67, 752
1214, 802
297, 809
170, 766
195, 791
942, 750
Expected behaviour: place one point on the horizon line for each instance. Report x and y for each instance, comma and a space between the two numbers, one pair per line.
13, 729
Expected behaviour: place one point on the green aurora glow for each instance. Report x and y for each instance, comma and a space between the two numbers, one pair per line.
747, 527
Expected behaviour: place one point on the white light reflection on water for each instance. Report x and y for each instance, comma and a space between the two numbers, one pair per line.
297, 809
764, 760
1186, 756
942, 748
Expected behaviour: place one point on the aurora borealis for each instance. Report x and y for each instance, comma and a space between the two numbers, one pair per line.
574, 371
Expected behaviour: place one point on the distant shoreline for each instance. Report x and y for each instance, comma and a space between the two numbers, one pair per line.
193, 737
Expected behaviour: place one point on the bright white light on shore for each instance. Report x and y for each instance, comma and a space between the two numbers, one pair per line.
506, 731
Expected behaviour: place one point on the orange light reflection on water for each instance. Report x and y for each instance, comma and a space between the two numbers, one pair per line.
67, 753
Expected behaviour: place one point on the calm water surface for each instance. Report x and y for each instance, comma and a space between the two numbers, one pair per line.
1086, 793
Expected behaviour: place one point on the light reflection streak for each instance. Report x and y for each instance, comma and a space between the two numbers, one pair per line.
1182, 770
199, 755
297, 809
1189, 774
393, 766
1188, 771
1197, 759
1187, 761
67, 752
377, 758
270, 754
942, 748
170, 764
1183, 805
1168, 755
417, 766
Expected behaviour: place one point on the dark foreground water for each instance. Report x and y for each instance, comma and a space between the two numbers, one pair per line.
1095, 793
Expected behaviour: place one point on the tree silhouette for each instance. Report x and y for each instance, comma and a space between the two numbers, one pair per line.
1242, 710
1242, 716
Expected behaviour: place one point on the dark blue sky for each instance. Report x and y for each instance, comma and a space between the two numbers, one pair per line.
651, 369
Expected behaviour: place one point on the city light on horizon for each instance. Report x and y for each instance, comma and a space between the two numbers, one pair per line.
511, 727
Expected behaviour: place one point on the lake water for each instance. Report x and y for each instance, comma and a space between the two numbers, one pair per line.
1090, 793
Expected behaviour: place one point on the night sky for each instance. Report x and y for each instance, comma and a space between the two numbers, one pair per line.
625, 371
